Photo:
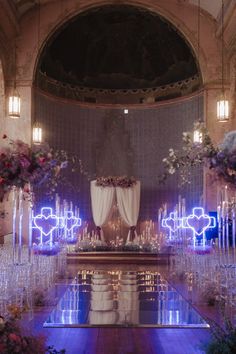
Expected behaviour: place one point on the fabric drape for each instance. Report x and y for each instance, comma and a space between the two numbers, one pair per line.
128, 200
102, 202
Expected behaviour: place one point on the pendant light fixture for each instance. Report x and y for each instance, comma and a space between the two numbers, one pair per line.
222, 103
37, 133
14, 97
197, 134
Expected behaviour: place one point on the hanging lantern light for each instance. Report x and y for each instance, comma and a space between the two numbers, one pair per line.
222, 102
37, 134
222, 109
197, 132
14, 104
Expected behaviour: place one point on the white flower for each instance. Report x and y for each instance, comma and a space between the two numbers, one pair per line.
171, 152
64, 164
171, 170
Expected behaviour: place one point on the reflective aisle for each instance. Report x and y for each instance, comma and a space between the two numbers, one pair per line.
123, 299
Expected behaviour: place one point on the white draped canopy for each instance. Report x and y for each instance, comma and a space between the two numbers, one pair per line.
128, 201
102, 202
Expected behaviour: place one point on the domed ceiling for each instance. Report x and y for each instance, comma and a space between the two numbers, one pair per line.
118, 47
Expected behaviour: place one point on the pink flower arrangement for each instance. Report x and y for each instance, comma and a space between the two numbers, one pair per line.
21, 165
14, 340
114, 181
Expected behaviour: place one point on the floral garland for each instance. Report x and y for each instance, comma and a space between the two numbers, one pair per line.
114, 181
221, 160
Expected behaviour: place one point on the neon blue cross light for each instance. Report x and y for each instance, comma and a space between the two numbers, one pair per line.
172, 223
199, 223
46, 222
70, 223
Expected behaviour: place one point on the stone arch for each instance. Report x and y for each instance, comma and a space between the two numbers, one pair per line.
66, 25
179, 15
52, 17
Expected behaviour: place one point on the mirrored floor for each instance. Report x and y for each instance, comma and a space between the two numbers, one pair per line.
123, 299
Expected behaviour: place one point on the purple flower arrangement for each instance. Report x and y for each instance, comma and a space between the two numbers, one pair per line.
224, 165
46, 250
21, 165
14, 339
221, 160
200, 250
115, 181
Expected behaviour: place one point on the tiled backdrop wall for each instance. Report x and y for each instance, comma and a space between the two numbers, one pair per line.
151, 132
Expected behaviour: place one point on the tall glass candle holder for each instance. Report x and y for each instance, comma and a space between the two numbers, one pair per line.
17, 219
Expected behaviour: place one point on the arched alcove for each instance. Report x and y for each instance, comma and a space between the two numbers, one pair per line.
84, 53
118, 47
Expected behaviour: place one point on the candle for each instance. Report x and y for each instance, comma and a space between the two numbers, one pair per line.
223, 209
227, 228
71, 206
226, 197
165, 210
223, 227
219, 224
233, 227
